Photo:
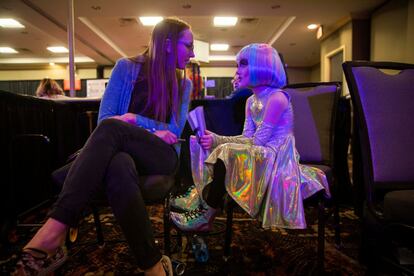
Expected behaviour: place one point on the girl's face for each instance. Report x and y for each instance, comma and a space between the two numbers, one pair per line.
243, 73
185, 48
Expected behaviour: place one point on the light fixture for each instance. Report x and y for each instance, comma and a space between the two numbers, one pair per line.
150, 20
222, 58
220, 21
7, 50
319, 32
51, 63
58, 49
219, 47
313, 26
10, 23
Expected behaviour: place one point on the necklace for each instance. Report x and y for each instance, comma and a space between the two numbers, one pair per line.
257, 104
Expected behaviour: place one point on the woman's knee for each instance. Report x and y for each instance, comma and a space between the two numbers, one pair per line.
108, 125
121, 173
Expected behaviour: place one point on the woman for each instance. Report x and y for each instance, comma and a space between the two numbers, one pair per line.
258, 169
142, 113
49, 88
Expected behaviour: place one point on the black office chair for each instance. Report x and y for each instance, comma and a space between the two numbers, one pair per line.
383, 109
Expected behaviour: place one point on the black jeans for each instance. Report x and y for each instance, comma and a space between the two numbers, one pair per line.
114, 155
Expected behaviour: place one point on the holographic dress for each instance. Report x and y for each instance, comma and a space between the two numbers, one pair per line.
263, 174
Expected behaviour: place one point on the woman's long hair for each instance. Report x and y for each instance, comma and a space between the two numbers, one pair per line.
165, 81
48, 88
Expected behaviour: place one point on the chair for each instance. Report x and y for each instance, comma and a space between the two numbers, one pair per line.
314, 108
383, 107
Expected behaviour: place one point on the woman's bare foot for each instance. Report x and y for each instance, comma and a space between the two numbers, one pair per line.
156, 270
162, 268
49, 237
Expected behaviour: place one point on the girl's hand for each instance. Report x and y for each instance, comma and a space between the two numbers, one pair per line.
167, 136
207, 140
129, 118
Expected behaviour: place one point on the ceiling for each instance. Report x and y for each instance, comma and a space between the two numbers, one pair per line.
108, 29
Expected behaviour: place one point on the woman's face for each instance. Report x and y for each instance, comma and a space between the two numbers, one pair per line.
243, 73
185, 48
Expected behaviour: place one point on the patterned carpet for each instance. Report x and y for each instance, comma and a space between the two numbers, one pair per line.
254, 250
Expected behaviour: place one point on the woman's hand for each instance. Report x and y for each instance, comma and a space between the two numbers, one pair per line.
207, 140
129, 118
167, 136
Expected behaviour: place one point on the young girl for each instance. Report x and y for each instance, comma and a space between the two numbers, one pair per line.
142, 113
259, 169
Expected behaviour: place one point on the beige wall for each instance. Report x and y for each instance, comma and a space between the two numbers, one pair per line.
341, 40
315, 75
298, 74
218, 71
392, 32
107, 72
57, 72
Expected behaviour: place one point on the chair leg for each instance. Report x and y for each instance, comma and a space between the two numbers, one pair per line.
167, 227
98, 226
337, 225
321, 236
228, 234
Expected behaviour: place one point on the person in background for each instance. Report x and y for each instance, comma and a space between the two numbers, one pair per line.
259, 169
142, 114
49, 88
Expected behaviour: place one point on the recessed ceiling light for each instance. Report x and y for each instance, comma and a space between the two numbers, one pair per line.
222, 58
10, 23
220, 21
58, 49
51, 63
150, 20
7, 50
219, 47
313, 26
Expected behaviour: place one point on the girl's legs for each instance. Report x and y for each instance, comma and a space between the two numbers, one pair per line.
201, 219
214, 192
